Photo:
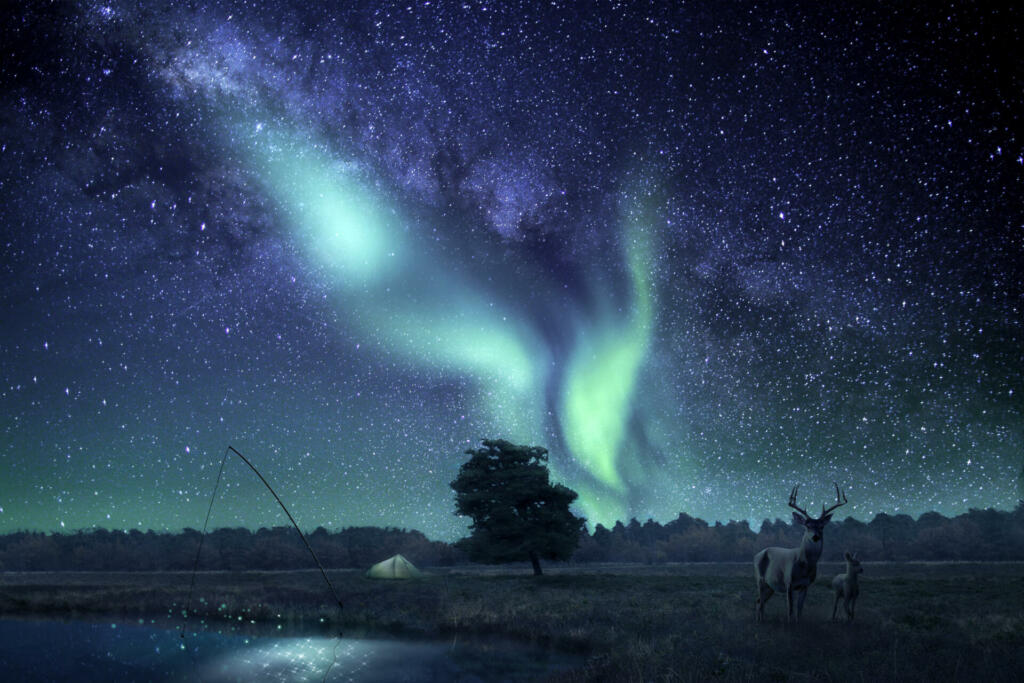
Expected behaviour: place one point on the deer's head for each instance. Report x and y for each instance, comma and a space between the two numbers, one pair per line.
852, 563
814, 526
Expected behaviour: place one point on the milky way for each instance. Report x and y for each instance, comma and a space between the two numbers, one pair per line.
700, 253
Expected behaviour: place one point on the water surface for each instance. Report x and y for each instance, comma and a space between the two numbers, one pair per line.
146, 651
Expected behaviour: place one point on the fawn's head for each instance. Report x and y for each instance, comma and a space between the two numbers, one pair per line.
853, 564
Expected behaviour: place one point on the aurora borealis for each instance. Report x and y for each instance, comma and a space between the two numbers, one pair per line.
700, 253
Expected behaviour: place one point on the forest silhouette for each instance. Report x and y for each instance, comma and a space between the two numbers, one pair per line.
977, 535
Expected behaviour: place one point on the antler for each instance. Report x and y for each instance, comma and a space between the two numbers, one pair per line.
792, 502
840, 500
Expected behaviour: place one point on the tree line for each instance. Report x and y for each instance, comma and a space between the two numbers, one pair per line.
988, 535
222, 549
976, 535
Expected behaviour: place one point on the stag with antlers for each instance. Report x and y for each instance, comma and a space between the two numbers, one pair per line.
792, 570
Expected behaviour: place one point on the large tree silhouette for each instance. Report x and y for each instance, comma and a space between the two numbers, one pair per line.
517, 513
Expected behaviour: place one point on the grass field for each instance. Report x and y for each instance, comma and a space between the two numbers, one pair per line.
915, 621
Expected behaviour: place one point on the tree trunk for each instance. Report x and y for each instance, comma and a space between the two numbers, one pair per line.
536, 564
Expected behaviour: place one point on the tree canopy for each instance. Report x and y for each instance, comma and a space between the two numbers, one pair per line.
517, 513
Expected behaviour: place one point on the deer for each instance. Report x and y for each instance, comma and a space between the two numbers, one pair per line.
845, 586
792, 570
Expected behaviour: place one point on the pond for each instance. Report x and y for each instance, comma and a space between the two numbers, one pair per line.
147, 651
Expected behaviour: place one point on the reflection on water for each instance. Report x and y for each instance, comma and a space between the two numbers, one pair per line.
90, 651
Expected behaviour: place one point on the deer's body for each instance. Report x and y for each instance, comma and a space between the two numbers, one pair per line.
846, 587
788, 571
792, 570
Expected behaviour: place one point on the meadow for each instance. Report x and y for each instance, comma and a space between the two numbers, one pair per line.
671, 622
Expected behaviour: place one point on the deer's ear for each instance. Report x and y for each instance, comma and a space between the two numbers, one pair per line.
826, 518
848, 556
799, 519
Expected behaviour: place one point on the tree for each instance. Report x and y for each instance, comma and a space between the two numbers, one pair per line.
517, 513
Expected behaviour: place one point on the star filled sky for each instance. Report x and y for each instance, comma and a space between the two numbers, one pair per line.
699, 251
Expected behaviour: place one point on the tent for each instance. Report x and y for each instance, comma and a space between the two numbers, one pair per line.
395, 567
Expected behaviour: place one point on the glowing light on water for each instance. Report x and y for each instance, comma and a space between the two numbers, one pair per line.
294, 659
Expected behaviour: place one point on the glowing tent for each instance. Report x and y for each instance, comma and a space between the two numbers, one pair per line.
396, 567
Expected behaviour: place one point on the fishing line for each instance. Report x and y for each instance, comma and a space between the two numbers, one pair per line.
334, 658
202, 537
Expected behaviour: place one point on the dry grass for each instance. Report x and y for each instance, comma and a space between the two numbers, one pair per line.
915, 622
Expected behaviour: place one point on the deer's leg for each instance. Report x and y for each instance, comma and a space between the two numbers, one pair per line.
835, 606
764, 591
789, 602
802, 595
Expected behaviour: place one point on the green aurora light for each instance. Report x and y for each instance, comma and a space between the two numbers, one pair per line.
395, 289
417, 303
598, 393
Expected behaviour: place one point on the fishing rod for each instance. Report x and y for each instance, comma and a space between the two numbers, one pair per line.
195, 566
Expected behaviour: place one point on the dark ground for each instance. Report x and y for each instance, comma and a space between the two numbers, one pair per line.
915, 621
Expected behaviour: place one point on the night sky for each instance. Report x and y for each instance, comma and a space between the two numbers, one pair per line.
700, 253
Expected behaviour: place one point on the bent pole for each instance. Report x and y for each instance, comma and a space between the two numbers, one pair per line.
202, 537
292, 520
